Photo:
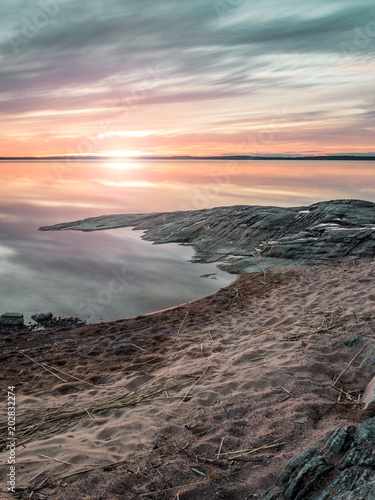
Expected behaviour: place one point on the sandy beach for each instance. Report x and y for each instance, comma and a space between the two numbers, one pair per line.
187, 250
209, 399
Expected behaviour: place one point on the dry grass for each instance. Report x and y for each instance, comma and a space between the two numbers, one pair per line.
330, 321
55, 420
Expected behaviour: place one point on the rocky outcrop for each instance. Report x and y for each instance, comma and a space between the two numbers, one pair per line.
248, 238
41, 317
11, 318
339, 466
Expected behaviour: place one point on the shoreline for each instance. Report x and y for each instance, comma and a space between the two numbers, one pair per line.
73, 322
241, 366
248, 238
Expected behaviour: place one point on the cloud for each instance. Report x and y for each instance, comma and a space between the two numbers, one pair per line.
64, 56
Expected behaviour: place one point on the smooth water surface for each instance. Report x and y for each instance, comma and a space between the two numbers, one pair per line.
108, 275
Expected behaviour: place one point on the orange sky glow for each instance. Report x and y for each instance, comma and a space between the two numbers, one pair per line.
188, 78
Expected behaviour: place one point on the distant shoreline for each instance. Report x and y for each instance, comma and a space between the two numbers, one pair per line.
216, 158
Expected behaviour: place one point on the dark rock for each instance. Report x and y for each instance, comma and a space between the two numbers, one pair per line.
353, 342
249, 238
338, 440
42, 317
365, 434
11, 318
369, 358
369, 394
339, 466
61, 324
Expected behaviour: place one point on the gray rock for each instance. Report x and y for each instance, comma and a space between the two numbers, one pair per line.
369, 394
11, 318
353, 342
42, 317
249, 238
339, 466
338, 440
369, 358
307, 477
365, 434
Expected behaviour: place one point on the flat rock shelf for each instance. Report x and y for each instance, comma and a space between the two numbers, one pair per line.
243, 239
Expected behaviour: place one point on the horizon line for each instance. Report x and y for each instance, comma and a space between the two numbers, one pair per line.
281, 156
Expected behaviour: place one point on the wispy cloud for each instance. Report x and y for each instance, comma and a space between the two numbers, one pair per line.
223, 72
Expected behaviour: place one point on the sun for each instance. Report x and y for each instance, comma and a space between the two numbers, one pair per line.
115, 160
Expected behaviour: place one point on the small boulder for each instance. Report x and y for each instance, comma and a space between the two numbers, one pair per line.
11, 318
369, 394
42, 317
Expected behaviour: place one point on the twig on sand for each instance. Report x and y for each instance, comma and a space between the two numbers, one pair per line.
347, 394
152, 493
342, 373
113, 464
56, 459
204, 481
221, 445
44, 424
230, 372
48, 368
242, 453
195, 383
39, 474
253, 335
94, 467
257, 254
71, 376
140, 348
88, 413
186, 315
117, 333
266, 447
286, 390
198, 472
40, 486
330, 321
39, 364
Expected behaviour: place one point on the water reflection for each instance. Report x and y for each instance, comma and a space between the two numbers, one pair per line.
98, 188
96, 276
113, 274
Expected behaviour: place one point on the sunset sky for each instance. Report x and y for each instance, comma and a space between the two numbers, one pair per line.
196, 77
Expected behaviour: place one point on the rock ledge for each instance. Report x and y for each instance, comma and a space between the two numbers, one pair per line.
245, 238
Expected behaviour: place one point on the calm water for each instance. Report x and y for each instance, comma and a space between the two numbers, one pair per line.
112, 274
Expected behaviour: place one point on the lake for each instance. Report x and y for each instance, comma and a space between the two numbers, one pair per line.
106, 275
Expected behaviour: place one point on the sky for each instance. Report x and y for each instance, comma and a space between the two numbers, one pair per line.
193, 77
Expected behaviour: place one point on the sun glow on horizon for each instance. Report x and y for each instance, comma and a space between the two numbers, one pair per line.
122, 153
123, 165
